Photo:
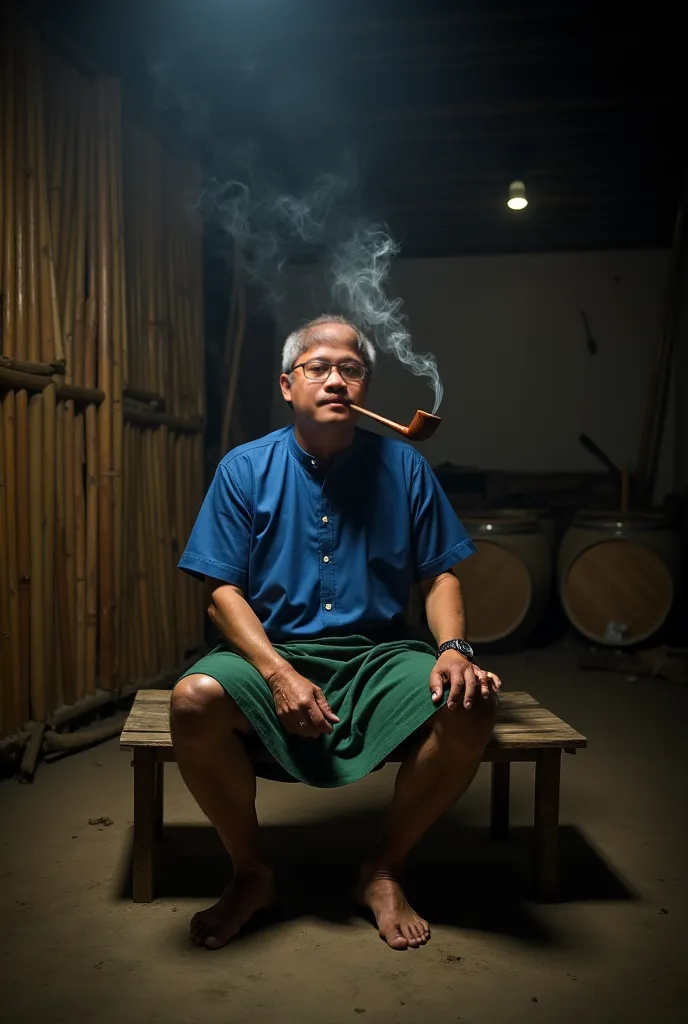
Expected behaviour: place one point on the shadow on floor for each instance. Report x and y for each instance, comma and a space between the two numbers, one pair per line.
457, 875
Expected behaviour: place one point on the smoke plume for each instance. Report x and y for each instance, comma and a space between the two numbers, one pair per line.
273, 225
359, 268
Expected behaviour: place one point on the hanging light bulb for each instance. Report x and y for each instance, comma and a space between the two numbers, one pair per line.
517, 196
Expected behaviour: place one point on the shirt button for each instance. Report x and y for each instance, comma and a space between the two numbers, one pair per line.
326, 558
324, 519
328, 607
313, 462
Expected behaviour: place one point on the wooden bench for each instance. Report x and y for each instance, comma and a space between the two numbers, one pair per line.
524, 731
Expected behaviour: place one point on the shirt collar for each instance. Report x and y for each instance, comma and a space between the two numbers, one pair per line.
311, 464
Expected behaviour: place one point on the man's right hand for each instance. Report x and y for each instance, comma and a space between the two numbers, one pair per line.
301, 706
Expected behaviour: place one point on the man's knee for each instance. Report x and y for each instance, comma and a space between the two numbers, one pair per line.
467, 729
199, 702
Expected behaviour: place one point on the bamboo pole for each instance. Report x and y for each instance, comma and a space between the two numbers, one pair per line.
182, 622
39, 709
8, 346
56, 157
7, 719
51, 333
80, 555
149, 552
91, 427
234, 344
104, 288
126, 594
197, 476
65, 660
118, 328
92, 307
64, 240
23, 548
70, 685
11, 581
49, 535
4, 46
18, 344
79, 340
31, 194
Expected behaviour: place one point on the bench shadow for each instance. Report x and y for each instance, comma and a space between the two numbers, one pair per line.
457, 875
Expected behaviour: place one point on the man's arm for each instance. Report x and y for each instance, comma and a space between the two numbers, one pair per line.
302, 707
447, 620
444, 607
231, 613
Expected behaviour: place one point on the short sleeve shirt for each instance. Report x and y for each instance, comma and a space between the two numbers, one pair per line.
318, 552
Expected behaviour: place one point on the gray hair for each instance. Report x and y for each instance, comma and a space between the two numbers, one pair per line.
299, 341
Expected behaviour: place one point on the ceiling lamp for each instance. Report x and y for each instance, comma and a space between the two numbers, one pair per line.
517, 196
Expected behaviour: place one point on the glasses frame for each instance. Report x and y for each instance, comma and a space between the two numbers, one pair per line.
332, 366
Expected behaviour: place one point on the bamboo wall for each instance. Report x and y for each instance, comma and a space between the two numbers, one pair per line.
101, 388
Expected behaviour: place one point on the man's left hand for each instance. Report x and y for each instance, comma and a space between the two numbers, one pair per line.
465, 680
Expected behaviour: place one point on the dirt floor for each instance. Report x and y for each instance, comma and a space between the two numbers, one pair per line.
73, 946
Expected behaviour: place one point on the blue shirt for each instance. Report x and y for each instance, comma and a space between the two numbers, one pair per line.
314, 552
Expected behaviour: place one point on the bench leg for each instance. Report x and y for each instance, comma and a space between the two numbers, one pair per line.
144, 824
499, 800
546, 831
159, 798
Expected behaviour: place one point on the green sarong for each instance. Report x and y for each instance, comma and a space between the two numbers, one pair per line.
380, 692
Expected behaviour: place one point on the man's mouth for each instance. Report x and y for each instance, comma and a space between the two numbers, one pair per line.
335, 401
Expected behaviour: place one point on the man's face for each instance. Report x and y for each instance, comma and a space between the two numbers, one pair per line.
327, 401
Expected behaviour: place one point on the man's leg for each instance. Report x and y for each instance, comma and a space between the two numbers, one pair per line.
436, 772
206, 726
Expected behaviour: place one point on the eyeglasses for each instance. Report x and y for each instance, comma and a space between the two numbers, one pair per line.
319, 369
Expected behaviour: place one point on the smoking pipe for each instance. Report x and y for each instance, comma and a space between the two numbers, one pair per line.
422, 426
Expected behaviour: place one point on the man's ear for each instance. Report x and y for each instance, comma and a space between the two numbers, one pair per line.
285, 386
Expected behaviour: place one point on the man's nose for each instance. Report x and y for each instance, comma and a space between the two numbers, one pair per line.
335, 379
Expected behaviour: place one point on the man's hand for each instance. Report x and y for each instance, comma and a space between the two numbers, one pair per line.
457, 672
301, 706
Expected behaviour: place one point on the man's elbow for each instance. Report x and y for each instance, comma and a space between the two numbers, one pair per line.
443, 579
216, 589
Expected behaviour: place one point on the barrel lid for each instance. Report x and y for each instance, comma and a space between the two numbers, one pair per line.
614, 519
498, 521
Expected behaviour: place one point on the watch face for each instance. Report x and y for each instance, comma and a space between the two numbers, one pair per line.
465, 648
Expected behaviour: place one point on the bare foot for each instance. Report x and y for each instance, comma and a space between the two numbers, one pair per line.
244, 897
398, 924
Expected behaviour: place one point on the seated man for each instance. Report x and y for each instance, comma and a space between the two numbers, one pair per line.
310, 539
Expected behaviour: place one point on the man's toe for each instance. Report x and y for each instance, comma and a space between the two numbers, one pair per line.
396, 939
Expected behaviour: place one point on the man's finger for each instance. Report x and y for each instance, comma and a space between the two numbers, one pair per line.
317, 719
470, 684
457, 685
483, 681
436, 685
324, 706
495, 680
298, 723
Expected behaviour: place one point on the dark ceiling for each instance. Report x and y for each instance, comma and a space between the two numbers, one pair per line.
437, 106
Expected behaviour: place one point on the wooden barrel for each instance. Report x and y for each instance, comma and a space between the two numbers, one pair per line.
507, 584
616, 575
542, 515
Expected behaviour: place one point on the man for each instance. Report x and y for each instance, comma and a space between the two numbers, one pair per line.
309, 539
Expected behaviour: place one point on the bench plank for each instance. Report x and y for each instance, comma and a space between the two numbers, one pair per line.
522, 723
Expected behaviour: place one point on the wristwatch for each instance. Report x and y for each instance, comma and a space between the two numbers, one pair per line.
456, 645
